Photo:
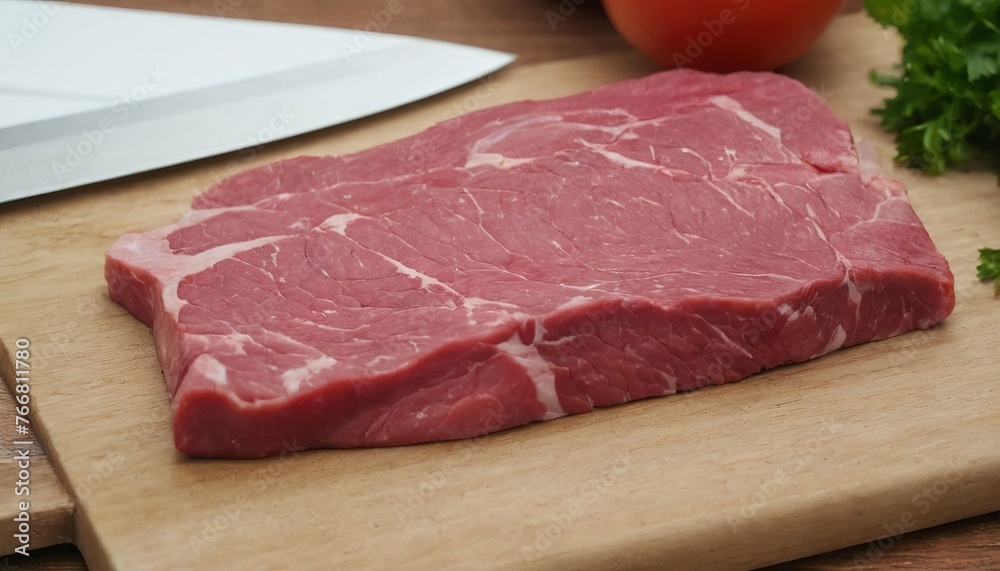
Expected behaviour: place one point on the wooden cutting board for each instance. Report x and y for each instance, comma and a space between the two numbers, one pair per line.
49, 509
870, 441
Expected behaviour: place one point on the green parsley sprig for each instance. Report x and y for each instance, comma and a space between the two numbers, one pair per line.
947, 102
989, 267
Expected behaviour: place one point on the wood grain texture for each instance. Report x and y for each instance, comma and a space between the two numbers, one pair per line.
856, 435
968, 545
50, 510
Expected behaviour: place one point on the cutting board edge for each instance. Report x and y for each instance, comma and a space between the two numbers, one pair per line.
646, 552
56, 517
88, 541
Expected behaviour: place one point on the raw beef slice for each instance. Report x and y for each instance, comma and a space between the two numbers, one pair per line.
525, 262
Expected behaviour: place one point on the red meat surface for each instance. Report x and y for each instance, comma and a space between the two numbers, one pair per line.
525, 262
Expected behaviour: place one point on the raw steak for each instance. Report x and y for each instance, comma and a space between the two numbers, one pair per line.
526, 262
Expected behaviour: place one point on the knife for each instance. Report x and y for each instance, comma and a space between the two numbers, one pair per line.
93, 93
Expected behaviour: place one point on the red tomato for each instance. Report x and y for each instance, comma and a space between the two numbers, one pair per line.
722, 35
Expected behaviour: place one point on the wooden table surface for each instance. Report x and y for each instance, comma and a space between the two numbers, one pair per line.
521, 26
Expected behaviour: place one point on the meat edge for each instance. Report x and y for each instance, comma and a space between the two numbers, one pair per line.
750, 336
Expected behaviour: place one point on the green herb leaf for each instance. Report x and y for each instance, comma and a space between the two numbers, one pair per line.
989, 267
947, 102
979, 65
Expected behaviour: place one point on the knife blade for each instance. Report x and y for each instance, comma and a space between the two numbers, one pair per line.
94, 93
